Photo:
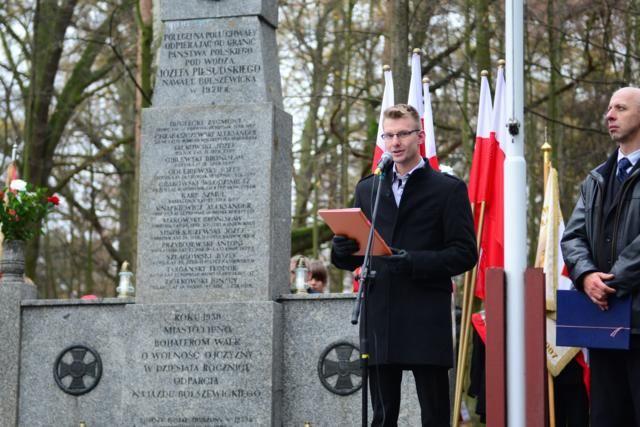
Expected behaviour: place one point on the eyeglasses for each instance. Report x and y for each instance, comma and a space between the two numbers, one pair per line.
401, 135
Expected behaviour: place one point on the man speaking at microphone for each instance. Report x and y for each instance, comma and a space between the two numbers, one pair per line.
425, 216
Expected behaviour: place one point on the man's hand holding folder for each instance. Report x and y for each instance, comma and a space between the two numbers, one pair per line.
595, 288
344, 246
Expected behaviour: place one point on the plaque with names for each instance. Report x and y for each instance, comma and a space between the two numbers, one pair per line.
210, 187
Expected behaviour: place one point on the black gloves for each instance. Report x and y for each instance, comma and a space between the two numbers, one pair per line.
344, 246
400, 262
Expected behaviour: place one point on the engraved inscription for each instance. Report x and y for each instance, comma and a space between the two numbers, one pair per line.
202, 59
203, 219
196, 356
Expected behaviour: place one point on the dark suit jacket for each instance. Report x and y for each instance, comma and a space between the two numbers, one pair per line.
409, 315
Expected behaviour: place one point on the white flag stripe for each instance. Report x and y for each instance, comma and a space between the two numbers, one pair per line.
430, 135
415, 85
499, 119
387, 101
485, 110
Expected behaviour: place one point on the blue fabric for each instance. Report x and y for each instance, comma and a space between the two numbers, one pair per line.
623, 165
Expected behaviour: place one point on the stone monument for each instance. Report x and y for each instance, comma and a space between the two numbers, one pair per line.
214, 221
212, 337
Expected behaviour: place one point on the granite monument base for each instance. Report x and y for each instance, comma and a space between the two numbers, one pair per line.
204, 365
178, 365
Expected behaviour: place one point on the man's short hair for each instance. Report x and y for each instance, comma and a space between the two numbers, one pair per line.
318, 271
400, 111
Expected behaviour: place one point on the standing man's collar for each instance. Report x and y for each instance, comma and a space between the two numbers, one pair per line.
398, 182
396, 175
633, 157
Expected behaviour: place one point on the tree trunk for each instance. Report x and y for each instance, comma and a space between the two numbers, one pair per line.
397, 47
553, 103
483, 37
304, 176
346, 147
128, 232
468, 140
46, 120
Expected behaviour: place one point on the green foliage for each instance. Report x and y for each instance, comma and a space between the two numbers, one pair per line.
23, 209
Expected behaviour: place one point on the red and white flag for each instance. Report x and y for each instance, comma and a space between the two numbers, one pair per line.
416, 100
480, 165
387, 101
492, 243
480, 182
427, 123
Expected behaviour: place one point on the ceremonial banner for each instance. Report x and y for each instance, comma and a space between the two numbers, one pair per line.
549, 258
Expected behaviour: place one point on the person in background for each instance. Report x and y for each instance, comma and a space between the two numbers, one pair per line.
318, 277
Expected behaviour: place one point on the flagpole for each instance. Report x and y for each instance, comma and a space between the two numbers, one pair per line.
465, 323
546, 159
457, 396
546, 167
552, 403
515, 227
482, 131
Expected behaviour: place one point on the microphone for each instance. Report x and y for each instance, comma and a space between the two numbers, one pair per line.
384, 161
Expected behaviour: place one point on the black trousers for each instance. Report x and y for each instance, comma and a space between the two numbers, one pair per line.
432, 386
615, 387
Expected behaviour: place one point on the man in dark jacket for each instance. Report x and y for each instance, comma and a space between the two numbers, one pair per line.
601, 248
425, 215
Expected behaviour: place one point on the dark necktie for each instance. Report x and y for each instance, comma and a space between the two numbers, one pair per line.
623, 165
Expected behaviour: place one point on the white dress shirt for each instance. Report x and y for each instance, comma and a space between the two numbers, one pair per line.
399, 181
633, 158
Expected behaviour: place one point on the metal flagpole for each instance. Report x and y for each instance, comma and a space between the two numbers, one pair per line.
515, 226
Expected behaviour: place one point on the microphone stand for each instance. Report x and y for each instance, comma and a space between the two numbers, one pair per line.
367, 277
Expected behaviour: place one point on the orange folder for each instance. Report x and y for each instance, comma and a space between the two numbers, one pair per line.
354, 224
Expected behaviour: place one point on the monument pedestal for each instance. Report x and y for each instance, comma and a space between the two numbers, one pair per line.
214, 224
10, 297
13, 290
204, 364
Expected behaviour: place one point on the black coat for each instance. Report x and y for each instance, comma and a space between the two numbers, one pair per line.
409, 315
582, 240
